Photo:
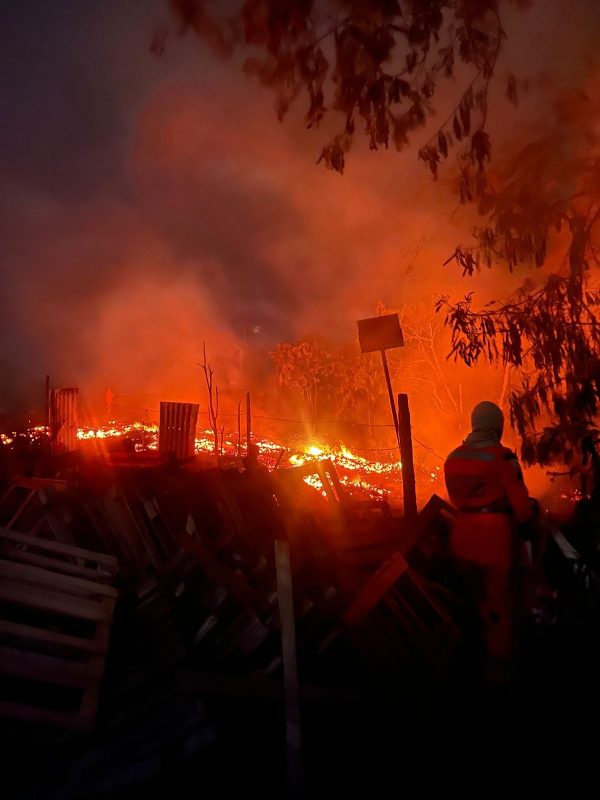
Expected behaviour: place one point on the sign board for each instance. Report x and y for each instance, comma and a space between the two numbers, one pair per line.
380, 333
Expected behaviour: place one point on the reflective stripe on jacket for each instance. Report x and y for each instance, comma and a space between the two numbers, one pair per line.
485, 477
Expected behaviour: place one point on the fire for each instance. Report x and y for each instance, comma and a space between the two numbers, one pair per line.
377, 478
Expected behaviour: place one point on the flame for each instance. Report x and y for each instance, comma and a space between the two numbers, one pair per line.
376, 478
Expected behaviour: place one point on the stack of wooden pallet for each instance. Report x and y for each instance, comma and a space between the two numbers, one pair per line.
195, 551
56, 610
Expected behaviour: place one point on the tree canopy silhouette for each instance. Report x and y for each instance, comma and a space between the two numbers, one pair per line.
375, 67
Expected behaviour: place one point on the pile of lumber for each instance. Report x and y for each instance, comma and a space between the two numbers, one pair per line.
190, 555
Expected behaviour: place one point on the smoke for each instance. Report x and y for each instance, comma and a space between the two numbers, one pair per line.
151, 205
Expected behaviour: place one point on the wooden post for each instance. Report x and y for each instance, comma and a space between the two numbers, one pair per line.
406, 456
48, 441
279, 459
390, 392
248, 424
290, 670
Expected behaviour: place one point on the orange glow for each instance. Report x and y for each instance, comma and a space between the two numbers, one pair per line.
356, 472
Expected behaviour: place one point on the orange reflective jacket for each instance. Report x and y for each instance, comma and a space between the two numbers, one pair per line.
487, 478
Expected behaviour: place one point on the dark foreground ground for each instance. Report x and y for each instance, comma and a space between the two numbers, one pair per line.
539, 736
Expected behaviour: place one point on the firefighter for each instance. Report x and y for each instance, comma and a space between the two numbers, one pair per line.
485, 484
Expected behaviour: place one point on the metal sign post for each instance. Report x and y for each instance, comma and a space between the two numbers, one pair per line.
382, 333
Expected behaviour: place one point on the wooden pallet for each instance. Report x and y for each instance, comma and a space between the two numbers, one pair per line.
56, 610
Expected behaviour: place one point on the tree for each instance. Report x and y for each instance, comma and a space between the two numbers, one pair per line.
377, 65
305, 367
213, 400
360, 381
545, 197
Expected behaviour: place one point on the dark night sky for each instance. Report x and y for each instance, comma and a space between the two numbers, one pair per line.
148, 204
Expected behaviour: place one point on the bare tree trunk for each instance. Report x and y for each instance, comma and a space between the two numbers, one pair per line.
213, 399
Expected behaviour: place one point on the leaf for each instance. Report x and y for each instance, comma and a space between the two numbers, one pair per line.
465, 118
511, 89
456, 127
480, 148
442, 144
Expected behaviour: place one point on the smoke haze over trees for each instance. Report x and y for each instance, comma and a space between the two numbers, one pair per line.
150, 204
379, 65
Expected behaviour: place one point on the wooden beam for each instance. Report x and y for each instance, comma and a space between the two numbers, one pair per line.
50, 669
406, 456
248, 423
375, 588
27, 482
45, 716
45, 600
290, 669
54, 564
388, 383
45, 577
59, 547
27, 633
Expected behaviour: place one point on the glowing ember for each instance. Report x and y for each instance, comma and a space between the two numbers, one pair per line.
316, 483
376, 478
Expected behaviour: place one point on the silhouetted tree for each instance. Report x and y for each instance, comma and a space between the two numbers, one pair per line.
377, 66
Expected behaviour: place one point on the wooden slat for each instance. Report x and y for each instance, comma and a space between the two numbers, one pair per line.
59, 547
27, 482
44, 577
215, 569
89, 702
44, 599
374, 589
287, 618
57, 528
45, 716
50, 669
139, 530
39, 635
21, 508
130, 548
54, 564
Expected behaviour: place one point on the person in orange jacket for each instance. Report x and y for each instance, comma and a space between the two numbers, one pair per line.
485, 484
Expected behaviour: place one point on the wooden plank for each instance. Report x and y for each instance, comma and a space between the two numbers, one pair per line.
374, 589
140, 531
58, 529
89, 704
435, 509
406, 456
27, 482
323, 473
40, 635
215, 569
21, 508
54, 564
50, 669
335, 479
45, 716
45, 577
58, 547
130, 548
290, 668
44, 599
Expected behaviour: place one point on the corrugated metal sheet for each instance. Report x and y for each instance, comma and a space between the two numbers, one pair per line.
63, 420
177, 429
